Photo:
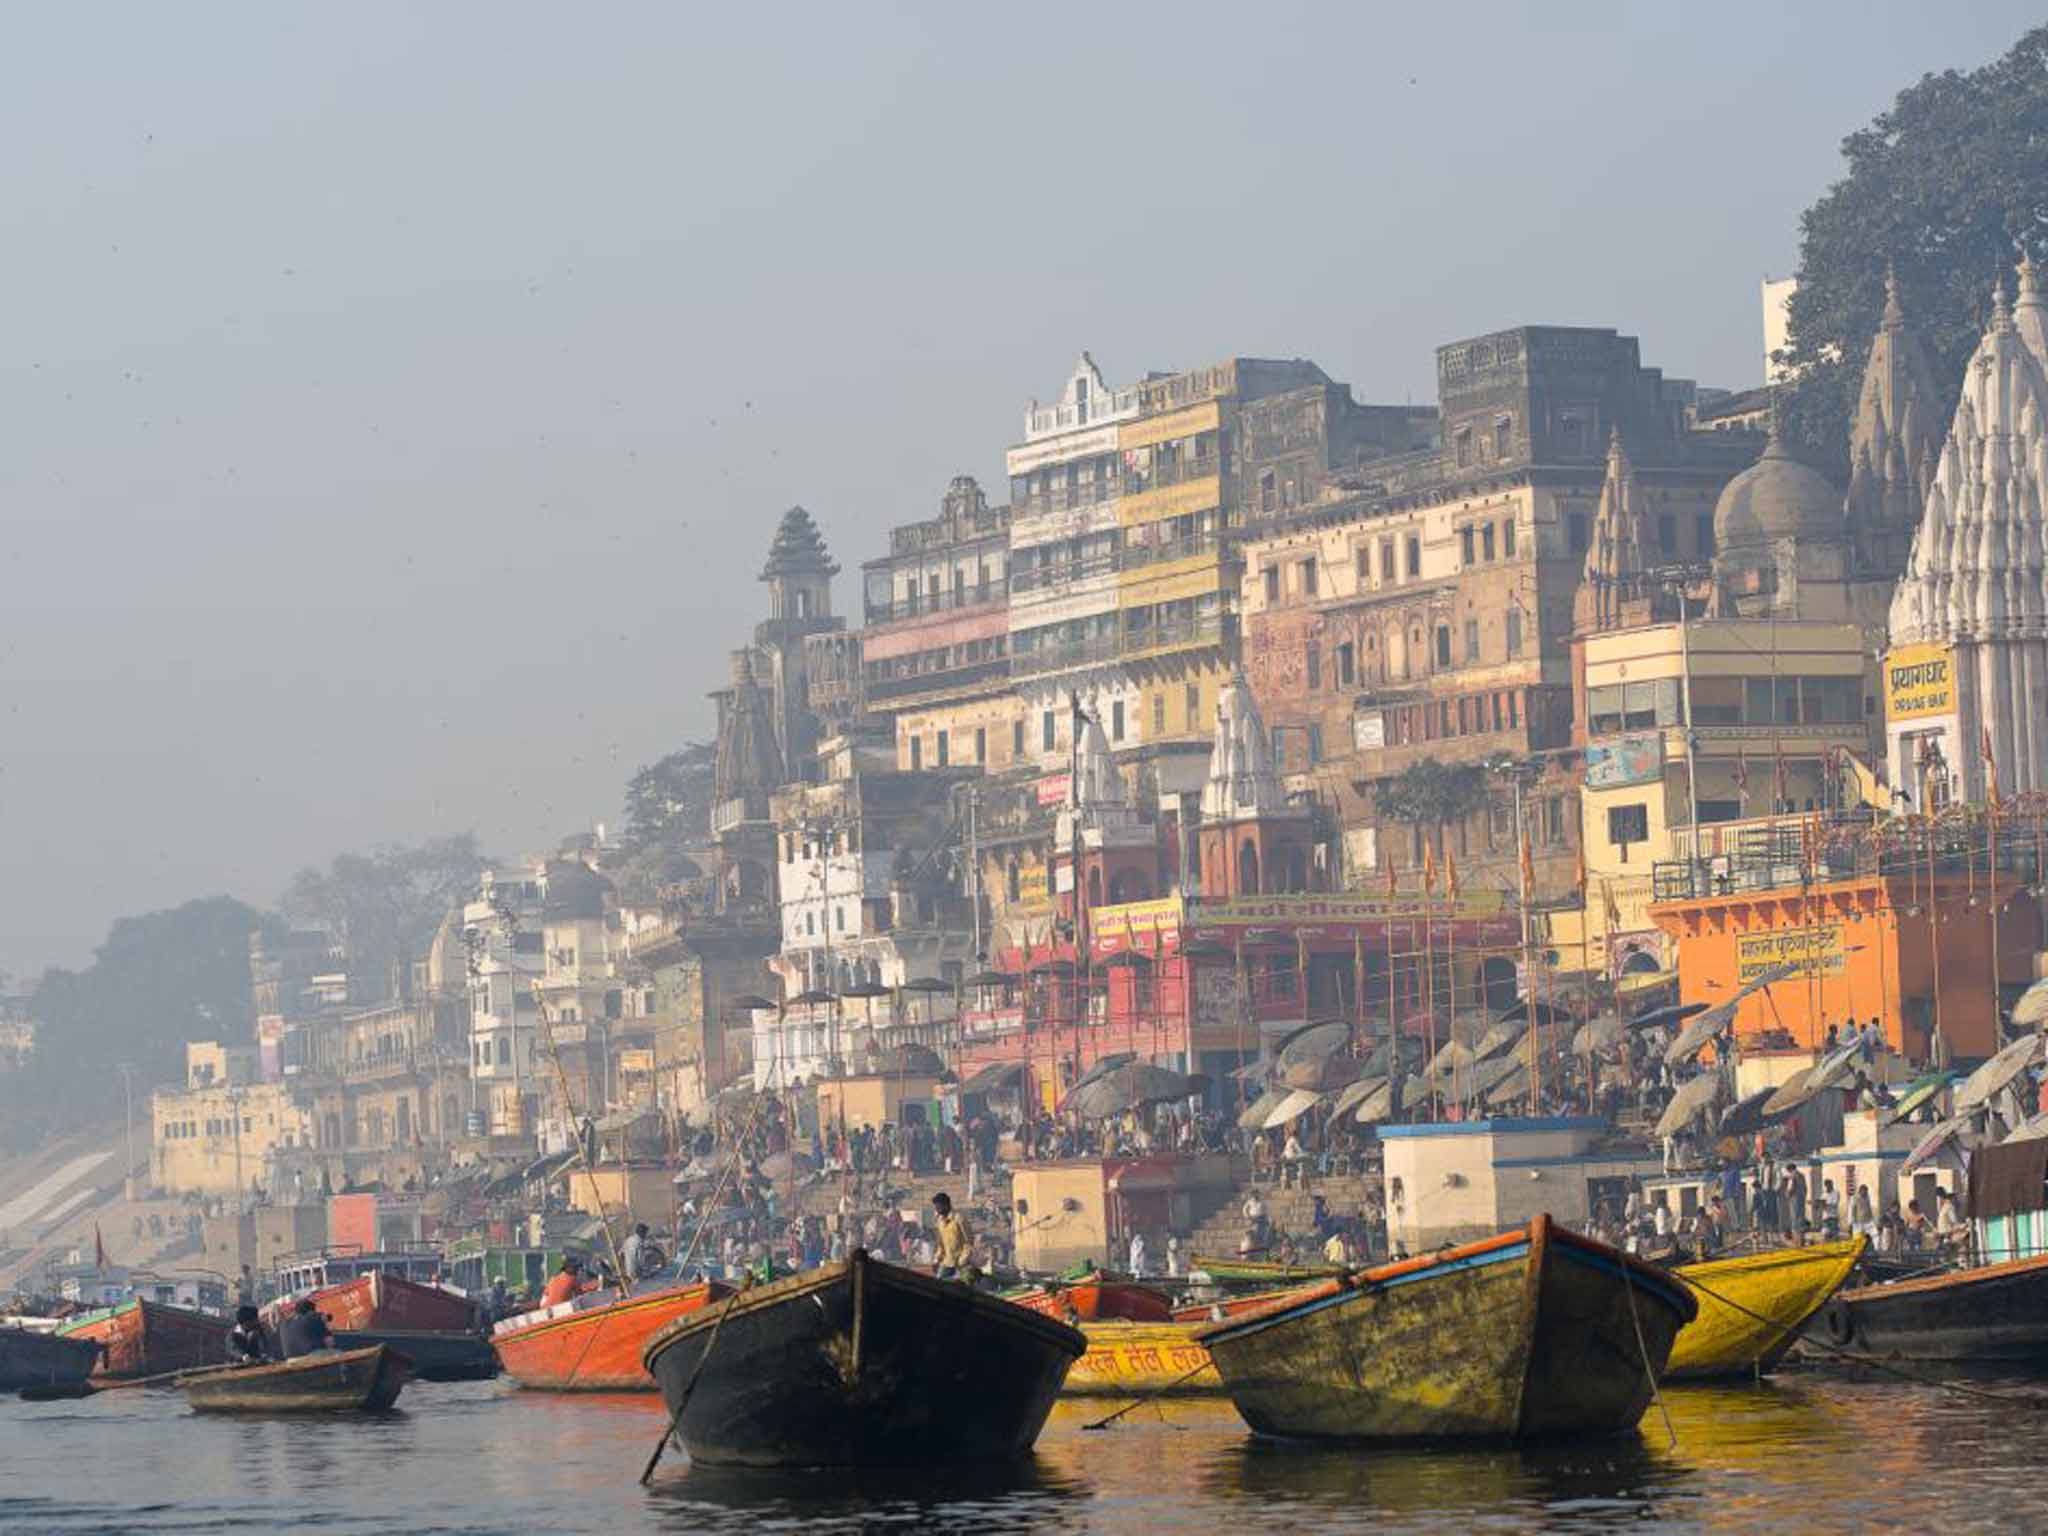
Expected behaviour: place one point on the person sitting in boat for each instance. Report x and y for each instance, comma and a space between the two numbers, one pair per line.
568, 1282
305, 1332
955, 1241
248, 1344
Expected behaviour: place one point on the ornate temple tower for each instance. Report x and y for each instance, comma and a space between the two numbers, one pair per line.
1969, 619
1253, 840
1614, 576
799, 576
1893, 448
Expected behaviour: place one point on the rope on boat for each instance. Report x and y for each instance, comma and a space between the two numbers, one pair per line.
676, 1420
1855, 1357
1146, 1397
1628, 1284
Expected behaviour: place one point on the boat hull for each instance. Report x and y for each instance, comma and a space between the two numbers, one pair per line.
1995, 1314
148, 1338
596, 1348
1096, 1301
31, 1358
380, 1303
1753, 1307
1527, 1335
341, 1381
1233, 1306
1126, 1359
1228, 1271
861, 1364
433, 1356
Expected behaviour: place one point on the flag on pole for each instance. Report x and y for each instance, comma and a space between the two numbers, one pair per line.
1528, 866
1990, 770
1613, 908
1451, 873
1741, 777
1428, 866
99, 1249
1393, 874
1779, 794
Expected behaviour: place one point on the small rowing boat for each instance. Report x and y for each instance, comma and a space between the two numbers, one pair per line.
1536, 1333
1753, 1306
1127, 1359
39, 1357
435, 1354
1231, 1306
861, 1363
594, 1342
329, 1381
150, 1338
1226, 1271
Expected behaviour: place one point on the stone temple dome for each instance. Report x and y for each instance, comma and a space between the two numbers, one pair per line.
1777, 497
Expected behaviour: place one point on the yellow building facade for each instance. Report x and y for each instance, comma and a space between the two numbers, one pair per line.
215, 1135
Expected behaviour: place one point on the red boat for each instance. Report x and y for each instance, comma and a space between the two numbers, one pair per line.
381, 1302
150, 1338
1096, 1301
593, 1344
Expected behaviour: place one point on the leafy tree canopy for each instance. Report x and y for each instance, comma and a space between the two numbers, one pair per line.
1429, 793
1945, 187
669, 801
158, 981
385, 905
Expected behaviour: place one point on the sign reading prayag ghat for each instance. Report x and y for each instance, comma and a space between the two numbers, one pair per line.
1818, 948
1919, 680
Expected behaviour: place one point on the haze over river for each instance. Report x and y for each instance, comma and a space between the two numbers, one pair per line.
1806, 1452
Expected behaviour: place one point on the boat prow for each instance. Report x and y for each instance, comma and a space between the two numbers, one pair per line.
1752, 1307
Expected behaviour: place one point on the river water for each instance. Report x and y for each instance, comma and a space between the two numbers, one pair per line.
1803, 1452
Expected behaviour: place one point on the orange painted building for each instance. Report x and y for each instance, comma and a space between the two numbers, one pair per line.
1868, 944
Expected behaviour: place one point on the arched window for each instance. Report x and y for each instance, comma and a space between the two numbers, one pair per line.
1094, 887
1248, 870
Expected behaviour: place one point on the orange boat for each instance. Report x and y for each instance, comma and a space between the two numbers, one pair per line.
593, 1343
150, 1338
1096, 1301
380, 1302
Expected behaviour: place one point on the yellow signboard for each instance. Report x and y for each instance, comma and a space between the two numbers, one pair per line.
1919, 680
636, 1061
1817, 948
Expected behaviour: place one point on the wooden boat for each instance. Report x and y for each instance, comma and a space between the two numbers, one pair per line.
434, 1355
330, 1381
1225, 1271
1531, 1334
378, 1302
1996, 1312
861, 1363
1125, 1359
594, 1343
150, 1338
1752, 1307
1095, 1301
39, 1357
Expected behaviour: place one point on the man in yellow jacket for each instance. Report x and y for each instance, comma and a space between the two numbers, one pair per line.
955, 1240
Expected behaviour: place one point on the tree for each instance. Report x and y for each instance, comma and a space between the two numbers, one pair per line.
669, 800
385, 905
1944, 188
159, 980
1432, 795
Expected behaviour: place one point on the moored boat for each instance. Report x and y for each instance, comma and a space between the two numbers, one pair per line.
434, 1355
1993, 1313
861, 1363
1235, 1305
40, 1357
336, 1381
1125, 1359
149, 1338
594, 1343
1532, 1334
1264, 1272
380, 1301
1753, 1306
1095, 1300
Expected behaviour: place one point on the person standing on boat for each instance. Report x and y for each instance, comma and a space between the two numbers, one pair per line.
955, 1241
305, 1332
1138, 1255
568, 1282
633, 1252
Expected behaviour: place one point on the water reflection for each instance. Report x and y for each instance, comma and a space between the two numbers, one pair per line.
1022, 1496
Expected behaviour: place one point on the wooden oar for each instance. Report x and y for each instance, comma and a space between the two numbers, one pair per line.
63, 1391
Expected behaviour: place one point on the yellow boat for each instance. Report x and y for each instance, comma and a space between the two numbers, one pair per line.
1126, 1358
1753, 1306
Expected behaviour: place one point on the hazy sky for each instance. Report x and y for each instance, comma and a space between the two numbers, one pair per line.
396, 401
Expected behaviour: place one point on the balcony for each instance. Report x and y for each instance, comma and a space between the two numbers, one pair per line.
1094, 650
1168, 550
1171, 471
941, 680
981, 594
1783, 852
